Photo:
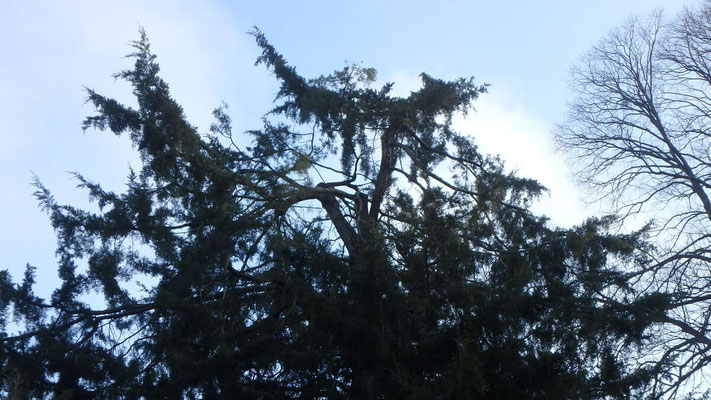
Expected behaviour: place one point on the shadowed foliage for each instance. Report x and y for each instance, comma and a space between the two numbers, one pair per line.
354, 247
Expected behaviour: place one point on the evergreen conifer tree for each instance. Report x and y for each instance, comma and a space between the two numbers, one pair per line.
354, 247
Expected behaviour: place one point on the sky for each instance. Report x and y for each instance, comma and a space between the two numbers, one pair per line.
52, 50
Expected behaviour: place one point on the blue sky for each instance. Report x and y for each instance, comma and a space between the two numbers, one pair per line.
51, 50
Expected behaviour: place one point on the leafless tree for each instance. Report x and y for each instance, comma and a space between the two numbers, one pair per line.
639, 136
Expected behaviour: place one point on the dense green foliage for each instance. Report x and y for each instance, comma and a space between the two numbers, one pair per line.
356, 247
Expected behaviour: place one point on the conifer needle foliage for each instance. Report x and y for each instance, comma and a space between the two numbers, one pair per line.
356, 246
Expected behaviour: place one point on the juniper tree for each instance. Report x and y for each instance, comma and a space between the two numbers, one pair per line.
354, 246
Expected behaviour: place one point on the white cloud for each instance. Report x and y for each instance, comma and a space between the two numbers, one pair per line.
502, 126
